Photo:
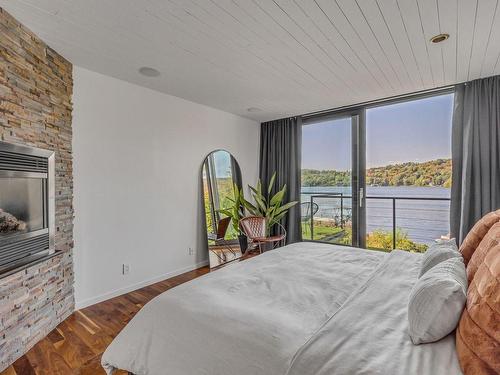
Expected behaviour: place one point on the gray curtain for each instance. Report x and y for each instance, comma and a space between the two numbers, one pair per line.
475, 187
280, 152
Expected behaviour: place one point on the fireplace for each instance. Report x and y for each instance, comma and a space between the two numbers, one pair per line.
26, 206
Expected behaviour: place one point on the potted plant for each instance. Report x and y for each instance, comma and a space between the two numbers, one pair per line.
270, 207
236, 211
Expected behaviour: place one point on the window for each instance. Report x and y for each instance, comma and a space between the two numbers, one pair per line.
408, 155
326, 210
379, 177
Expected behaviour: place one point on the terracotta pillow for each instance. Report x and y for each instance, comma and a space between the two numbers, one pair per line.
477, 233
478, 333
489, 241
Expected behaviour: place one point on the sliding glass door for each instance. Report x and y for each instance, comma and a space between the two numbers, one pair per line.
379, 176
329, 180
408, 175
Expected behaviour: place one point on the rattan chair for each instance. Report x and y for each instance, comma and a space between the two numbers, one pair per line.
219, 239
254, 228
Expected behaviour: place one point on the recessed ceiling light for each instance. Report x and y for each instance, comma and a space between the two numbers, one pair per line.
254, 109
149, 72
440, 38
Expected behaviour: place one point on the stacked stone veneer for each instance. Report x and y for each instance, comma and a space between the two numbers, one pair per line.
35, 110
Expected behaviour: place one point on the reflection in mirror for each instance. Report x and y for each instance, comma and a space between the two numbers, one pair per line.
220, 172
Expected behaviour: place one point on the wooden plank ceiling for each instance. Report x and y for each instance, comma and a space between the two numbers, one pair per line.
283, 57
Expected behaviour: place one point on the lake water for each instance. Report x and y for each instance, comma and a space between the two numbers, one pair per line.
424, 221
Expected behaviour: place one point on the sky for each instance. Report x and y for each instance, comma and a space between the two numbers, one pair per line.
417, 130
222, 163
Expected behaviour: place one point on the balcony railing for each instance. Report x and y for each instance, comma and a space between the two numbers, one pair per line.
344, 217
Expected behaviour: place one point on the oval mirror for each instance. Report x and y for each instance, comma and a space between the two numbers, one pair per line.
220, 173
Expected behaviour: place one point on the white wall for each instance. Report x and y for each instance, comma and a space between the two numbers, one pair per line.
137, 160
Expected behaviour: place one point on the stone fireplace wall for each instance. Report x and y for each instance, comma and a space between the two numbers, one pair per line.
35, 109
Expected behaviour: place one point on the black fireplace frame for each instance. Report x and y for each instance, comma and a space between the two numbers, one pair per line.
20, 250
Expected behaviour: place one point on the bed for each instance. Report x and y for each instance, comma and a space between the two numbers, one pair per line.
306, 308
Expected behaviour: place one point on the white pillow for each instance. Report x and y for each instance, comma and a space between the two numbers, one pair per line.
438, 252
437, 301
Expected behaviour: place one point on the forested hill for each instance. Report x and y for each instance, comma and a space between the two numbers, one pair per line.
429, 173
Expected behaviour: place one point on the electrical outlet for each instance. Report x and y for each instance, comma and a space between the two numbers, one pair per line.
125, 269
191, 251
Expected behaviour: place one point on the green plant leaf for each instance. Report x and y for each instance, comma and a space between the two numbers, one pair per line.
270, 211
285, 207
264, 205
236, 192
226, 212
254, 190
260, 204
250, 207
271, 184
278, 197
277, 218
259, 187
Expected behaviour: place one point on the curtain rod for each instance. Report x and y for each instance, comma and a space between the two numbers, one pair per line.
377, 101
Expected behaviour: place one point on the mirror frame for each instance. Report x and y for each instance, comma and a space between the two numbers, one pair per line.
215, 220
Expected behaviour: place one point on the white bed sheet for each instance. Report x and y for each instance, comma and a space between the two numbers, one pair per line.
289, 311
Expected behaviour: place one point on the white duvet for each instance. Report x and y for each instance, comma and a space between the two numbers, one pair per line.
302, 309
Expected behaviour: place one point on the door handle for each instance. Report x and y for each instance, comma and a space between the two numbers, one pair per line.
361, 197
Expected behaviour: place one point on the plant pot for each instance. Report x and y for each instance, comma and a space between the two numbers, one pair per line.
243, 242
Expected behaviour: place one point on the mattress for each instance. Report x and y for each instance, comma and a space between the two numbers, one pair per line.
306, 308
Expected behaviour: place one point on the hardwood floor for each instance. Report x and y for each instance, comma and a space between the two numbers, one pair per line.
76, 345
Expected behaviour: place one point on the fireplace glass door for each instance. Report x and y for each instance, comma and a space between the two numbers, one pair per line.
27, 206
22, 205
